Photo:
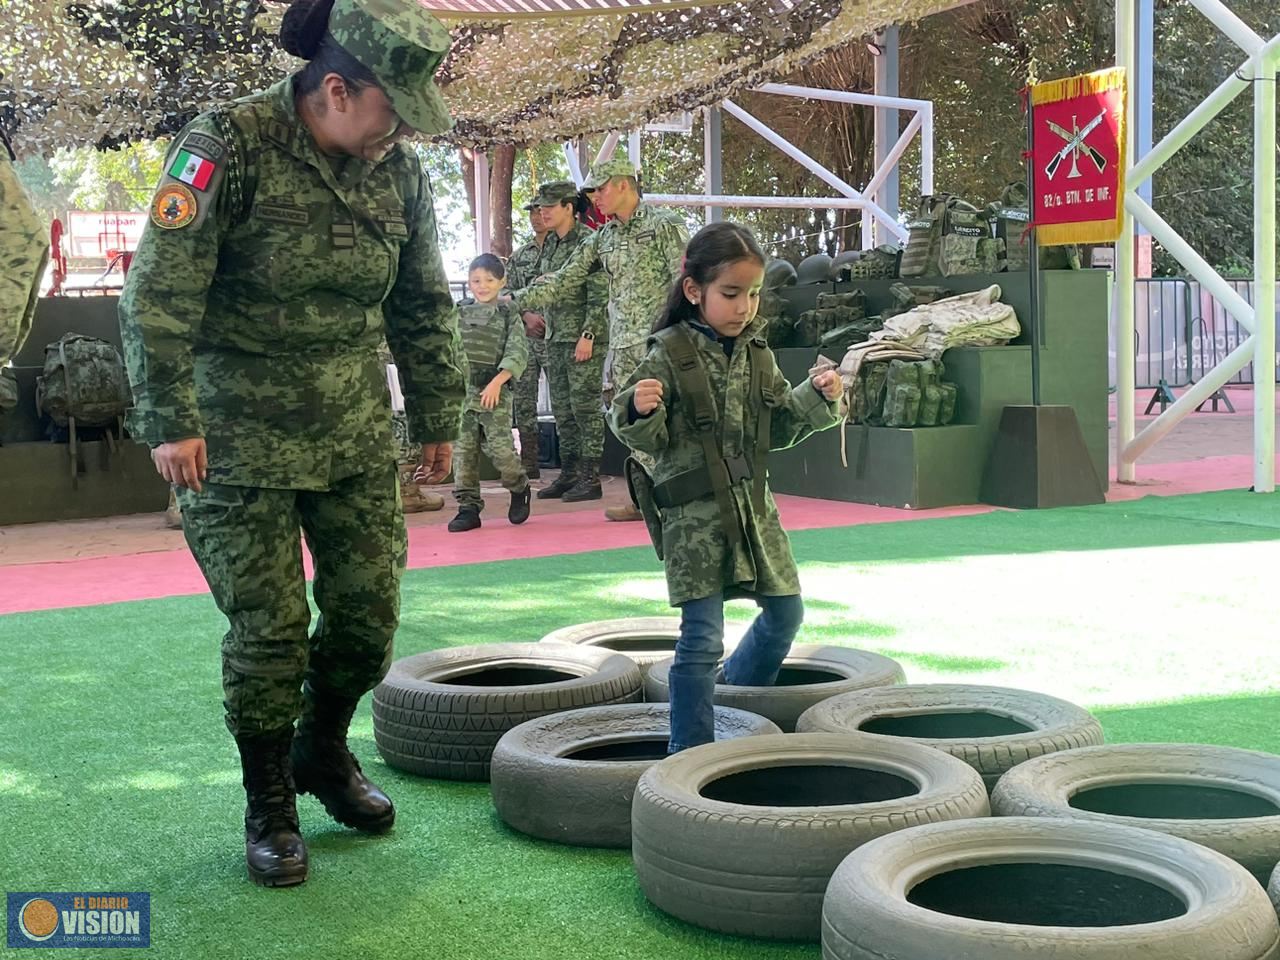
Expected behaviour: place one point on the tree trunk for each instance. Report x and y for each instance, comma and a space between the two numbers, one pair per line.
501, 172
467, 160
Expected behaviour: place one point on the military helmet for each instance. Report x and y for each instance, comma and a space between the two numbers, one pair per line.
814, 269
779, 273
402, 45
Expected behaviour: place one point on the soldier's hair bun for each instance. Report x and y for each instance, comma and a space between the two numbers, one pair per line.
304, 26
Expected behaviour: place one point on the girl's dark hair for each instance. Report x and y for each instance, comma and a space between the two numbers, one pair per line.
304, 32
490, 263
712, 249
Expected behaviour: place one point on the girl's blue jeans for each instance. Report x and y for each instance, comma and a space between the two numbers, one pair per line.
755, 663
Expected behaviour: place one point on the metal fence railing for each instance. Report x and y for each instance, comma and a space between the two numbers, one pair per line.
1181, 332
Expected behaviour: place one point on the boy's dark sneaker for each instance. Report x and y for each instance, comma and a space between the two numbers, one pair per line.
519, 510
468, 518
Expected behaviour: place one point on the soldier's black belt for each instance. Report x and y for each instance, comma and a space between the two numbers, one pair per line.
696, 484
480, 376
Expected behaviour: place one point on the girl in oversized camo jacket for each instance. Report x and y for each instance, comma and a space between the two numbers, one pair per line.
709, 402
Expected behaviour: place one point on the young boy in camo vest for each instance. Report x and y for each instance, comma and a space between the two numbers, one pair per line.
493, 340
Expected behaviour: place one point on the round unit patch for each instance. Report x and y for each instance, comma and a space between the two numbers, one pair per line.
174, 206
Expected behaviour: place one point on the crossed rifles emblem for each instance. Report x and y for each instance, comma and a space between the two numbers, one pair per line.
1075, 146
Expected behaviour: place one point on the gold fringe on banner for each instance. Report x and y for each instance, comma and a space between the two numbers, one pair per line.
1097, 82
1091, 231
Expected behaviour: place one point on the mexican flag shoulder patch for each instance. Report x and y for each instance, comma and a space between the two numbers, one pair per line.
192, 169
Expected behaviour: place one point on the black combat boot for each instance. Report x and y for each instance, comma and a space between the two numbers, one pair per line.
587, 486
518, 512
325, 768
468, 518
529, 453
274, 850
557, 488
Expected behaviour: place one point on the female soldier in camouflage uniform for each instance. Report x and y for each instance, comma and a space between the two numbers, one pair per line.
708, 403
289, 233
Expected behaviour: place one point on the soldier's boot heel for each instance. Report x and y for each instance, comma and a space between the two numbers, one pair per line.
587, 486
326, 769
468, 518
563, 483
519, 509
274, 851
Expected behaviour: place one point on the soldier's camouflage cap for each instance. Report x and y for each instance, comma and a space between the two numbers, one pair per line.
554, 193
402, 44
606, 170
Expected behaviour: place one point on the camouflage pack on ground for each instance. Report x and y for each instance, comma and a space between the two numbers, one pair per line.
84, 383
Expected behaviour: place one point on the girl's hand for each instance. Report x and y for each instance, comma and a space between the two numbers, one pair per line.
647, 397
490, 395
829, 385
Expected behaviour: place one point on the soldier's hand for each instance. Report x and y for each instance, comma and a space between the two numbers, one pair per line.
534, 324
582, 352
648, 396
437, 462
182, 462
490, 395
829, 384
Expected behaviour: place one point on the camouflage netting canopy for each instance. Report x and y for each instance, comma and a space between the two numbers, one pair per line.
104, 72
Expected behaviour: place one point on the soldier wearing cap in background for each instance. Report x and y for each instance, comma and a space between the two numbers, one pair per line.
639, 251
290, 232
578, 338
24, 254
521, 269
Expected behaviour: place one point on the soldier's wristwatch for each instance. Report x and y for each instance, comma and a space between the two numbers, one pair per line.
588, 335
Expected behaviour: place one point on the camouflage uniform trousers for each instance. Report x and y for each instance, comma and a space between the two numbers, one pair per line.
246, 542
488, 430
625, 362
526, 391
576, 399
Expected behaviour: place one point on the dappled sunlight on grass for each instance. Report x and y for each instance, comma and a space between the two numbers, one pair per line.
1101, 627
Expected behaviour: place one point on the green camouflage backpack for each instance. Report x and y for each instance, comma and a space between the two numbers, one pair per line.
832, 310
84, 383
949, 237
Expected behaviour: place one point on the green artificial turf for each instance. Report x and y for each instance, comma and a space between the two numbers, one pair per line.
116, 773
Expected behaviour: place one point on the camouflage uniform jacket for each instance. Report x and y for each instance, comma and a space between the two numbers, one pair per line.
24, 253
523, 267
584, 308
493, 339
641, 259
699, 561
256, 324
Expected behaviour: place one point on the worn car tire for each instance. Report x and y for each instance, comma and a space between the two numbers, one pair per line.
425, 722
646, 640
1054, 724
783, 703
1055, 785
541, 789
761, 869
876, 903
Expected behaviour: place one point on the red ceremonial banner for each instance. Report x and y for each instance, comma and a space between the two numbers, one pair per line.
1077, 156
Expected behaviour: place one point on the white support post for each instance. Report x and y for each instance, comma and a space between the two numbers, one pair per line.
1123, 294
1264, 267
893, 156
1239, 32
1186, 255
926, 149
610, 144
1191, 124
575, 168
812, 165
633, 148
484, 238
791, 203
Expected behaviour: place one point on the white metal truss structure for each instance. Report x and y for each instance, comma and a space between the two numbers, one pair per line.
876, 221
850, 198
1259, 319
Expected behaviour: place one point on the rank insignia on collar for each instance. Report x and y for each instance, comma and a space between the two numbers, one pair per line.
174, 207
